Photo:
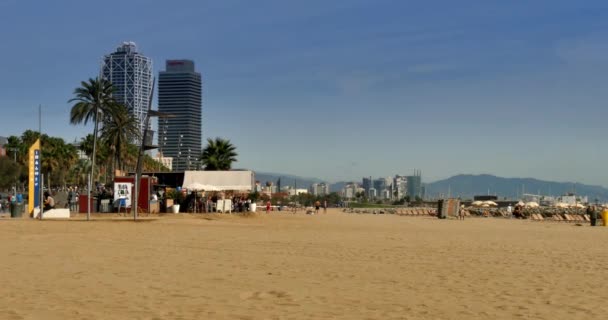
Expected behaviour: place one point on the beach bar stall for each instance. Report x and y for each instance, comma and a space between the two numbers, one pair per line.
237, 180
146, 184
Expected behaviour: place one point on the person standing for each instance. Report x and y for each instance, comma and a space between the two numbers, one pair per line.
592, 215
461, 213
509, 212
317, 206
268, 206
325, 206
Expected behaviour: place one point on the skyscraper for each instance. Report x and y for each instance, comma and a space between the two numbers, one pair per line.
180, 94
414, 185
131, 75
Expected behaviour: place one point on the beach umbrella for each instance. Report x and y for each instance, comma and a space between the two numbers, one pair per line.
477, 203
578, 205
521, 203
490, 203
561, 205
485, 205
532, 204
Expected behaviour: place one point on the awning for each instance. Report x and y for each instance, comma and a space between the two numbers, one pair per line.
218, 180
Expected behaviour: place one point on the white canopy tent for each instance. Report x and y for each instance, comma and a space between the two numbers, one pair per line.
219, 180
242, 181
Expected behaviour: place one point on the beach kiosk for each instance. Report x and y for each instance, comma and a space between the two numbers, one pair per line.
124, 189
237, 180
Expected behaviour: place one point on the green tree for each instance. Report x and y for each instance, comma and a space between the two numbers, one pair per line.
56, 159
92, 101
119, 127
9, 172
219, 154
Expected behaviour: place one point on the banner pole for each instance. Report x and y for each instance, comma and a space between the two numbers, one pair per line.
41, 195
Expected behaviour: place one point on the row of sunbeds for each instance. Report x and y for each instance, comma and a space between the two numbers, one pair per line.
561, 217
416, 212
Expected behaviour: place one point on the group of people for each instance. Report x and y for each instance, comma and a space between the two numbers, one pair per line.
195, 202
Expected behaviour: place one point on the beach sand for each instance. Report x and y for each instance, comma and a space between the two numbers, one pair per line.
285, 266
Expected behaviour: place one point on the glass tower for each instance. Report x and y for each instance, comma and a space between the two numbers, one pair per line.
180, 94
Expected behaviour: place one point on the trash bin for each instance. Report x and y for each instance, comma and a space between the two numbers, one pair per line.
82, 204
105, 206
605, 218
16, 209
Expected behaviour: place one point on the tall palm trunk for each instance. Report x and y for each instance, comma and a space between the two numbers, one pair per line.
95, 129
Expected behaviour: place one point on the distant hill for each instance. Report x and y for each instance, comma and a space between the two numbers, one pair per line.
467, 186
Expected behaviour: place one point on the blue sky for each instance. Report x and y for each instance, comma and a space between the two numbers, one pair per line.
344, 89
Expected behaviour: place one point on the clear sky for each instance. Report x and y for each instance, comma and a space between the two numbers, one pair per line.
343, 89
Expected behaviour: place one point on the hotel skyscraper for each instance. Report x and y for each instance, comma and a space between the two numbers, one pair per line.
131, 74
180, 94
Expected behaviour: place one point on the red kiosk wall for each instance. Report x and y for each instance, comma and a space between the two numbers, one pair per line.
145, 184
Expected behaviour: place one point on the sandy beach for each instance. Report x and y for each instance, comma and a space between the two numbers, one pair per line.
285, 266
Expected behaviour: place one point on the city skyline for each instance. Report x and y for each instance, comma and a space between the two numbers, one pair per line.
347, 89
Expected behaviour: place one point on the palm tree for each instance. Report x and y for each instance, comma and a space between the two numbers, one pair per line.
93, 100
119, 128
86, 145
219, 154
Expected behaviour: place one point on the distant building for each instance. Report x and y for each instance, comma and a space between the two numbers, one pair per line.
485, 198
414, 185
571, 199
165, 161
399, 187
131, 75
320, 189
380, 185
81, 154
349, 191
367, 184
372, 193
294, 192
385, 194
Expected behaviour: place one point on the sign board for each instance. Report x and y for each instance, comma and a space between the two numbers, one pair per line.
122, 190
34, 177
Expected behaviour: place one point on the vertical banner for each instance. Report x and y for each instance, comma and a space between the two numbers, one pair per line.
33, 198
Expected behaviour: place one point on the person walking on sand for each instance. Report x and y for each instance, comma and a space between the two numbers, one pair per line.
317, 206
461, 213
268, 206
592, 215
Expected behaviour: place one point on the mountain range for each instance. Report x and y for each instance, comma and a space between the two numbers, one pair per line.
466, 186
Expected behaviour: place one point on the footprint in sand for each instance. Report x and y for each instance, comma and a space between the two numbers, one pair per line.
260, 295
